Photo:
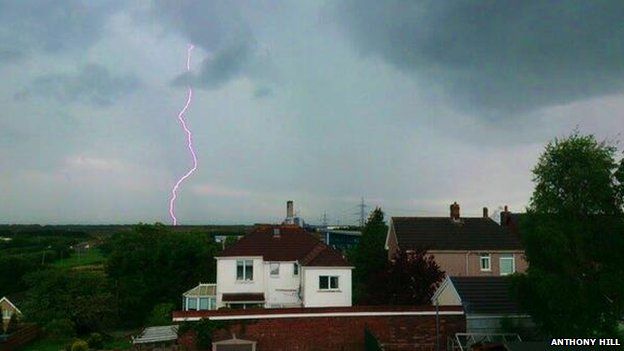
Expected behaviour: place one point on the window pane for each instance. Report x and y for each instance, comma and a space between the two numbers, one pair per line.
248, 270
296, 269
192, 303
239, 270
333, 282
274, 268
213, 303
323, 282
203, 303
506, 264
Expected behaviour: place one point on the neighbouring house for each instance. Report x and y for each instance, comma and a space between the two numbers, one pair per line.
487, 302
8, 309
276, 266
202, 297
461, 246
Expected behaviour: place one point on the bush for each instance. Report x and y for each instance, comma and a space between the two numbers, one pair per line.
95, 341
161, 314
80, 345
60, 329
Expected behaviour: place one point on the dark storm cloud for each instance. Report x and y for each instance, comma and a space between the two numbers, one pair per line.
93, 84
497, 56
218, 28
52, 26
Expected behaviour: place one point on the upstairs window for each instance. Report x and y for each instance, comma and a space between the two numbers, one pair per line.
485, 262
507, 264
295, 269
275, 269
327, 282
244, 269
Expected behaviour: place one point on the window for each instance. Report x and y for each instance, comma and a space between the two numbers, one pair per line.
244, 269
507, 264
485, 262
295, 269
7, 313
274, 269
328, 282
191, 303
203, 303
212, 303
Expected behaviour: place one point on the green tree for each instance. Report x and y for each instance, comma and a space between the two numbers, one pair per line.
370, 255
152, 265
574, 238
82, 299
161, 314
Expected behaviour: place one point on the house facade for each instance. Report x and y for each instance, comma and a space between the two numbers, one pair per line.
7, 310
277, 266
461, 246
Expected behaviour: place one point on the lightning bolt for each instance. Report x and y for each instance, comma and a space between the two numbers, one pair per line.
189, 140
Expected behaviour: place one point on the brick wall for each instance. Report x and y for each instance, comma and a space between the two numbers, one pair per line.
397, 332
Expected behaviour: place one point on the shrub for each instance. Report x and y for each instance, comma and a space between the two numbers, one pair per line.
60, 329
161, 314
95, 341
80, 345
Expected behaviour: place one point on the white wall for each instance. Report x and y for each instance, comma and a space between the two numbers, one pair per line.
226, 277
314, 297
282, 290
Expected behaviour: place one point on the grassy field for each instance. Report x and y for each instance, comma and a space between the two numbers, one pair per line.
89, 258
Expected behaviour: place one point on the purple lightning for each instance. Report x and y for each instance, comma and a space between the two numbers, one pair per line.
189, 139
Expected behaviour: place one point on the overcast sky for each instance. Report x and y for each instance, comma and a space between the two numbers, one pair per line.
410, 105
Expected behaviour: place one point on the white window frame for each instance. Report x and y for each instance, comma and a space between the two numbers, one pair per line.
485, 257
245, 275
274, 269
507, 257
329, 283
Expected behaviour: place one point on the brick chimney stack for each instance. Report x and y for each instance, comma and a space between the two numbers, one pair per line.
455, 211
504, 217
485, 212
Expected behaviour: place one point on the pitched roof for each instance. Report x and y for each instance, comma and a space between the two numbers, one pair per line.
292, 244
486, 295
443, 233
202, 290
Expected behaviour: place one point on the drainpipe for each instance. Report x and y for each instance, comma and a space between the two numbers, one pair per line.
437, 342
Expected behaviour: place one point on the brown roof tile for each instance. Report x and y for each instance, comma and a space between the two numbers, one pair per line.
292, 244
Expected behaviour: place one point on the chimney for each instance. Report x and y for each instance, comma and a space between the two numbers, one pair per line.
504, 217
455, 211
485, 212
290, 213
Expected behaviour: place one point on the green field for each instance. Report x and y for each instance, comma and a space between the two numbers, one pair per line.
89, 258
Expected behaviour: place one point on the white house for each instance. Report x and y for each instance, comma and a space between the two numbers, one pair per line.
282, 266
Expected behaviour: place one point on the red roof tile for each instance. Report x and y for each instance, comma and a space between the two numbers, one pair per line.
291, 244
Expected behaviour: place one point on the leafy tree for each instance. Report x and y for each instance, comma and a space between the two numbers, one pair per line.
370, 256
409, 279
574, 238
152, 265
83, 298
161, 314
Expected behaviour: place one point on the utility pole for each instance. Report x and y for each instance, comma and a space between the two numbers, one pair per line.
362, 213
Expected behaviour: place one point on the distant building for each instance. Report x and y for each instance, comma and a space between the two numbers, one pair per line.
282, 266
291, 218
461, 246
339, 239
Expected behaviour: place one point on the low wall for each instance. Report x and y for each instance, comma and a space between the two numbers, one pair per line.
396, 328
